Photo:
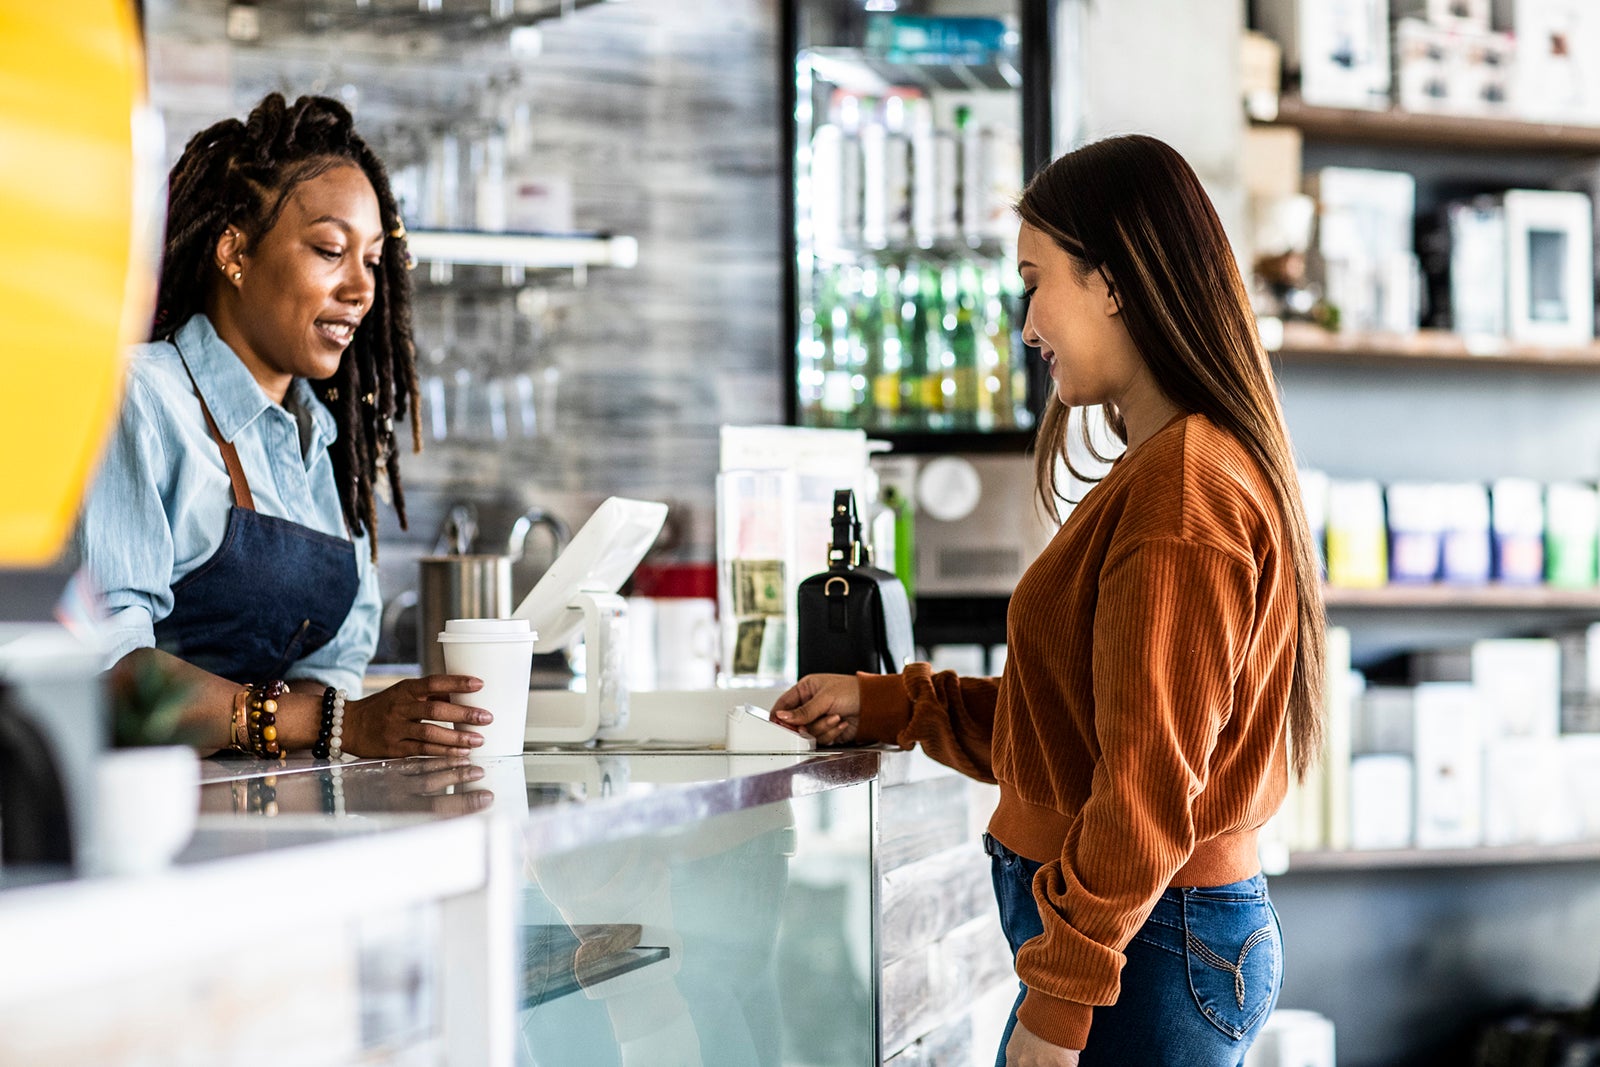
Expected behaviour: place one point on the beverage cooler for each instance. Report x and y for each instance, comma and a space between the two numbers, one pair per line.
913, 129
910, 130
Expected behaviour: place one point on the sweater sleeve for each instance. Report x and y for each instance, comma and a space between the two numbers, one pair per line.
1171, 626
950, 716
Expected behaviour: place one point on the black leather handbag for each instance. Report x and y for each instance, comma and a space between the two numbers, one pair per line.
853, 616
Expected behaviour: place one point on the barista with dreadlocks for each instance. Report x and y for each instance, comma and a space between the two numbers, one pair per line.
231, 528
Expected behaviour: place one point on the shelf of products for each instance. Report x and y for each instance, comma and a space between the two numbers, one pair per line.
537, 251
1441, 597
1458, 132
1306, 342
1421, 858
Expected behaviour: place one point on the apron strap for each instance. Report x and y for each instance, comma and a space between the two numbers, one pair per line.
230, 455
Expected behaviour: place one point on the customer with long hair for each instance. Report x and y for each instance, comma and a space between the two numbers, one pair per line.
1165, 665
232, 526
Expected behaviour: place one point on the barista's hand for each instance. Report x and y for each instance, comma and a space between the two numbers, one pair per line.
826, 706
1028, 1049
389, 723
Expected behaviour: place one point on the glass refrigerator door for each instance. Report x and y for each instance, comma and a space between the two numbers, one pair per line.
913, 129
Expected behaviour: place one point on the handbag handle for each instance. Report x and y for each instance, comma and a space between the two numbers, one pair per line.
846, 549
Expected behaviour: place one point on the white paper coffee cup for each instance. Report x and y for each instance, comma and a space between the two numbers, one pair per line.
500, 652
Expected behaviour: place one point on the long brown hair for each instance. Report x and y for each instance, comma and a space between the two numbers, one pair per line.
1134, 209
241, 174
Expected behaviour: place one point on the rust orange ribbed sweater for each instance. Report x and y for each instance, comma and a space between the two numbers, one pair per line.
1138, 732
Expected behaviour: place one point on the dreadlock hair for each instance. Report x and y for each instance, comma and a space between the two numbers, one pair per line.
1133, 208
241, 174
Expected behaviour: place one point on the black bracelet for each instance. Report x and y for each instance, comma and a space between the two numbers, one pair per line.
325, 730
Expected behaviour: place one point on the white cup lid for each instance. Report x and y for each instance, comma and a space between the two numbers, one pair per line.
487, 630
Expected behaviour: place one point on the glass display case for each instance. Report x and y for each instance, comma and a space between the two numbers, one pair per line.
912, 131
743, 938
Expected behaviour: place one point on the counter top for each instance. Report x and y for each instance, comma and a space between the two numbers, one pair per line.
558, 799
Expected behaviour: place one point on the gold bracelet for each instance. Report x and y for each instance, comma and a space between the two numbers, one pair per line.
239, 726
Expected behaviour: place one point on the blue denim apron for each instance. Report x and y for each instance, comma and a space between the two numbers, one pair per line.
273, 593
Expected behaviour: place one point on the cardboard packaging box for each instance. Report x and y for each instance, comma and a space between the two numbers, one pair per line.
1449, 766
1572, 525
1357, 552
1450, 14
1340, 52
1516, 507
1549, 266
1381, 788
1558, 58
1519, 683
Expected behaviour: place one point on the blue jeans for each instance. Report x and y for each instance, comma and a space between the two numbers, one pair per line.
1203, 973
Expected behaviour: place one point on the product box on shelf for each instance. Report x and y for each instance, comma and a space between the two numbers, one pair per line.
1572, 524
1384, 721
1549, 266
1521, 776
1577, 803
1260, 75
1464, 551
1340, 52
1558, 58
1516, 508
1464, 247
1416, 530
1365, 249
1519, 683
1580, 680
1448, 754
1357, 552
1446, 70
1381, 790
1450, 14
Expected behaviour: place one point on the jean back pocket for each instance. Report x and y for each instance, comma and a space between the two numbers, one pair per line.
1234, 957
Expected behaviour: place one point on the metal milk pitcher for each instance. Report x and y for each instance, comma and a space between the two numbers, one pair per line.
456, 583
457, 587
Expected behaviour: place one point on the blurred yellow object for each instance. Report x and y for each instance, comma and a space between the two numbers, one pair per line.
78, 207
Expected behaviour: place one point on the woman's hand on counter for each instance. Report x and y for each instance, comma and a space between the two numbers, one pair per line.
391, 721
826, 706
1028, 1049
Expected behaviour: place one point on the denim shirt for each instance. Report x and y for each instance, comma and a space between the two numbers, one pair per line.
159, 504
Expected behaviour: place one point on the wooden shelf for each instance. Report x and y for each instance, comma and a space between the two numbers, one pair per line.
1443, 597
1305, 342
1424, 858
1457, 132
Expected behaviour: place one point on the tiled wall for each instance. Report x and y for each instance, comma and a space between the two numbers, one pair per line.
664, 115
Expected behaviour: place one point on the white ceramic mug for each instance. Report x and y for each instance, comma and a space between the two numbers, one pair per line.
500, 652
686, 642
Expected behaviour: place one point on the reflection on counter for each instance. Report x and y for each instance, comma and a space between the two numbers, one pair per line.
671, 947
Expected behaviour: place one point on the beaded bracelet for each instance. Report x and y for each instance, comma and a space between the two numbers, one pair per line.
333, 792
263, 724
330, 734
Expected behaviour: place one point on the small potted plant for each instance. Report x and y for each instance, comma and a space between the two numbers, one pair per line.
149, 780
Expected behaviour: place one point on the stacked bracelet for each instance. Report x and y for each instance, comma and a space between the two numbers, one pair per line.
333, 792
262, 727
330, 734
239, 730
